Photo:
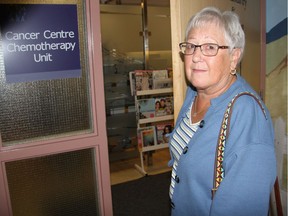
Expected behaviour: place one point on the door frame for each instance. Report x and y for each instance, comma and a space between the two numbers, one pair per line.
96, 140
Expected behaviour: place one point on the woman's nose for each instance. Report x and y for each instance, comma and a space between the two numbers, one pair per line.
197, 55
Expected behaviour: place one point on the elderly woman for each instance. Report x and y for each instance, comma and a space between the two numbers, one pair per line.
213, 47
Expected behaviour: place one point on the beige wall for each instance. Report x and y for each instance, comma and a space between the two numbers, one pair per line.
182, 10
276, 80
276, 101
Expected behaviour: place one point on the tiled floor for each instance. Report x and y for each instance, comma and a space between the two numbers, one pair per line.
125, 170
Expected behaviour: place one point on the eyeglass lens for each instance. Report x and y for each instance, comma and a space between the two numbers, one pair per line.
208, 49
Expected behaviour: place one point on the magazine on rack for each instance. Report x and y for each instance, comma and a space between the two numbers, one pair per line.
146, 137
164, 106
141, 80
161, 79
162, 129
146, 108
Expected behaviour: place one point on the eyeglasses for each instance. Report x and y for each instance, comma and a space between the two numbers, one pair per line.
207, 49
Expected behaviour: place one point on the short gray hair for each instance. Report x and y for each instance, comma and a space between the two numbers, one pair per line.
228, 20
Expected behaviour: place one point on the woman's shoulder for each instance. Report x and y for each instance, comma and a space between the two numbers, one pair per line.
250, 104
242, 87
245, 99
246, 95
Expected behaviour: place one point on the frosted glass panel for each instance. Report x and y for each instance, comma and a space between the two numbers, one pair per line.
43, 109
61, 184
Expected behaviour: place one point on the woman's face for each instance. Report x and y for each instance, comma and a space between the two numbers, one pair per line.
209, 73
157, 105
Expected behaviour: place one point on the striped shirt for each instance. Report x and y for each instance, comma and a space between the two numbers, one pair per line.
179, 141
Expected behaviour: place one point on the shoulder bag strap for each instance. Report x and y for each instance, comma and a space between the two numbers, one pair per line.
223, 136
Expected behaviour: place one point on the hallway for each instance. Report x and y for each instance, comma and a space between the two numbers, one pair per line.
125, 170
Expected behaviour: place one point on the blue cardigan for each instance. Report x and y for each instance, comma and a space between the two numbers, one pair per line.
249, 161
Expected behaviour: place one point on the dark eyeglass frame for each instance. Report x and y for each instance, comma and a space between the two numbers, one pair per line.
184, 44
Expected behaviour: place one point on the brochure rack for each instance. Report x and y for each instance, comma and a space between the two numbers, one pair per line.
154, 107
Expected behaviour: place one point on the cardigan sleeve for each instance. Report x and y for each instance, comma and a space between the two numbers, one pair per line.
249, 163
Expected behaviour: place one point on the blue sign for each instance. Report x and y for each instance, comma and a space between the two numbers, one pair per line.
39, 41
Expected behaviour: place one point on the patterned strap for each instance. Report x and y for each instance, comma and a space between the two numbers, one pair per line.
219, 172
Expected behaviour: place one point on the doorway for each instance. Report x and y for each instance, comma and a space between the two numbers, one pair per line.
123, 51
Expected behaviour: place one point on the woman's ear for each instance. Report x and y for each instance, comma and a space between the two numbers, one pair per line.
235, 56
181, 56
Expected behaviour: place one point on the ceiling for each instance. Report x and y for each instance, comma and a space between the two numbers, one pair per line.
159, 3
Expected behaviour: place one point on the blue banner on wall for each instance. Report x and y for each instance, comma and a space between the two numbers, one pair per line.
40, 42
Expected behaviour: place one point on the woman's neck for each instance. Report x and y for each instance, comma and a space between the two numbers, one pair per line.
202, 100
